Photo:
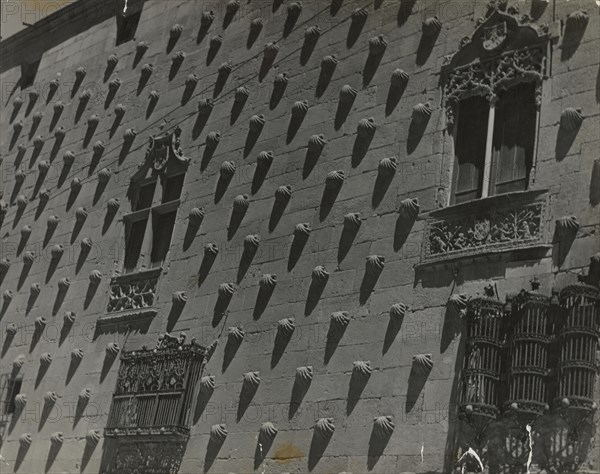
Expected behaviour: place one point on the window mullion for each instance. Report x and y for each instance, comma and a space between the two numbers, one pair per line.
487, 167
144, 260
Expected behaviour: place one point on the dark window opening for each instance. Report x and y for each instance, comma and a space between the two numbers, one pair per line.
134, 238
13, 389
470, 148
145, 196
127, 26
513, 143
172, 188
163, 225
28, 73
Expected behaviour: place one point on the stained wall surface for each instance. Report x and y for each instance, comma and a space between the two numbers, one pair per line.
424, 410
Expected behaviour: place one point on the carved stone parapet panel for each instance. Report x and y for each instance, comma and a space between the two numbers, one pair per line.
132, 293
498, 224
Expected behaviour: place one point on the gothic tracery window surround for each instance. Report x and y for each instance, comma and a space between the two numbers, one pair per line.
155, 196
492, 89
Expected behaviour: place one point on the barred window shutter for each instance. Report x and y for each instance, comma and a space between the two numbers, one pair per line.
470, 148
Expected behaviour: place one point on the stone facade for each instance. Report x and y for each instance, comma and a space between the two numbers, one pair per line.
315, 255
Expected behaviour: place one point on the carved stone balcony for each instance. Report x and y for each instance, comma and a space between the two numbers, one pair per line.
156, 392
131, 297
503, 223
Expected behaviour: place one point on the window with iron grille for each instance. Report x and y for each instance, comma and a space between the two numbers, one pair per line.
156, 390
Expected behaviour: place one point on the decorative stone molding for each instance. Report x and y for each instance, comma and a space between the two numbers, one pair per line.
132, 296
501, 223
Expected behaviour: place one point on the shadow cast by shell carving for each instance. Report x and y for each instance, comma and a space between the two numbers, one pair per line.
373, 267
285, 331
302, 232
283, 194
267, 285
224, 294
383, 428
421, 367
217, 436
235, 337
338, 322
322, 433
319, 279
304, 376
250, 384
397, 313
361, 373
251, 244
266, 436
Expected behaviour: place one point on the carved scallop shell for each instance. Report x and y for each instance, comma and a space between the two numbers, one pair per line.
19, 362
112, 349
28, 257
383, 426
366, 127
267, 431
320, 274
35, 289
241, 94
59, 107
226, 289
316, 143
4, 265
421, 112
211, 249
93, 437
196, 215
578, 19
567, 224
37, 118
64, 283
52, 222
56, 252
7, 296
241, 203
77, 353
85, 394
213, 139
69, 317
256, 123
283, 192
57, 438
46, 358
98, 147
388, 166
25, 231
179, 298
51, 397
304, 228
33, 95
268, 281
20, 176
377, 45
113, 86
20, 401
431, 26
85, 95
227, 169
40, 323
251, 241
232, 7
25, 439
375, 264
205, 107
304, 375
11, 329
571, 118
324, 428
299, 108
335, 179
38, 142
86, 243
154, 96
225, 69
251, 379
409, 208
113, 60
68, 158
207, 18
340, 319
422, 363
352, 220
95, 276
458, 301
399, 78
104, 175
45, 194
142, 47
120, 110
216, 42
270, 51
76, 184
312, 33
256, 25
112, 205
362, 368
176, 31
264, 159
397, 311
207, 384
360, 14
218, 433
129, 134
236, 334
18, 102
17, 127
54, 83
281, 80
286, 326
93, 121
